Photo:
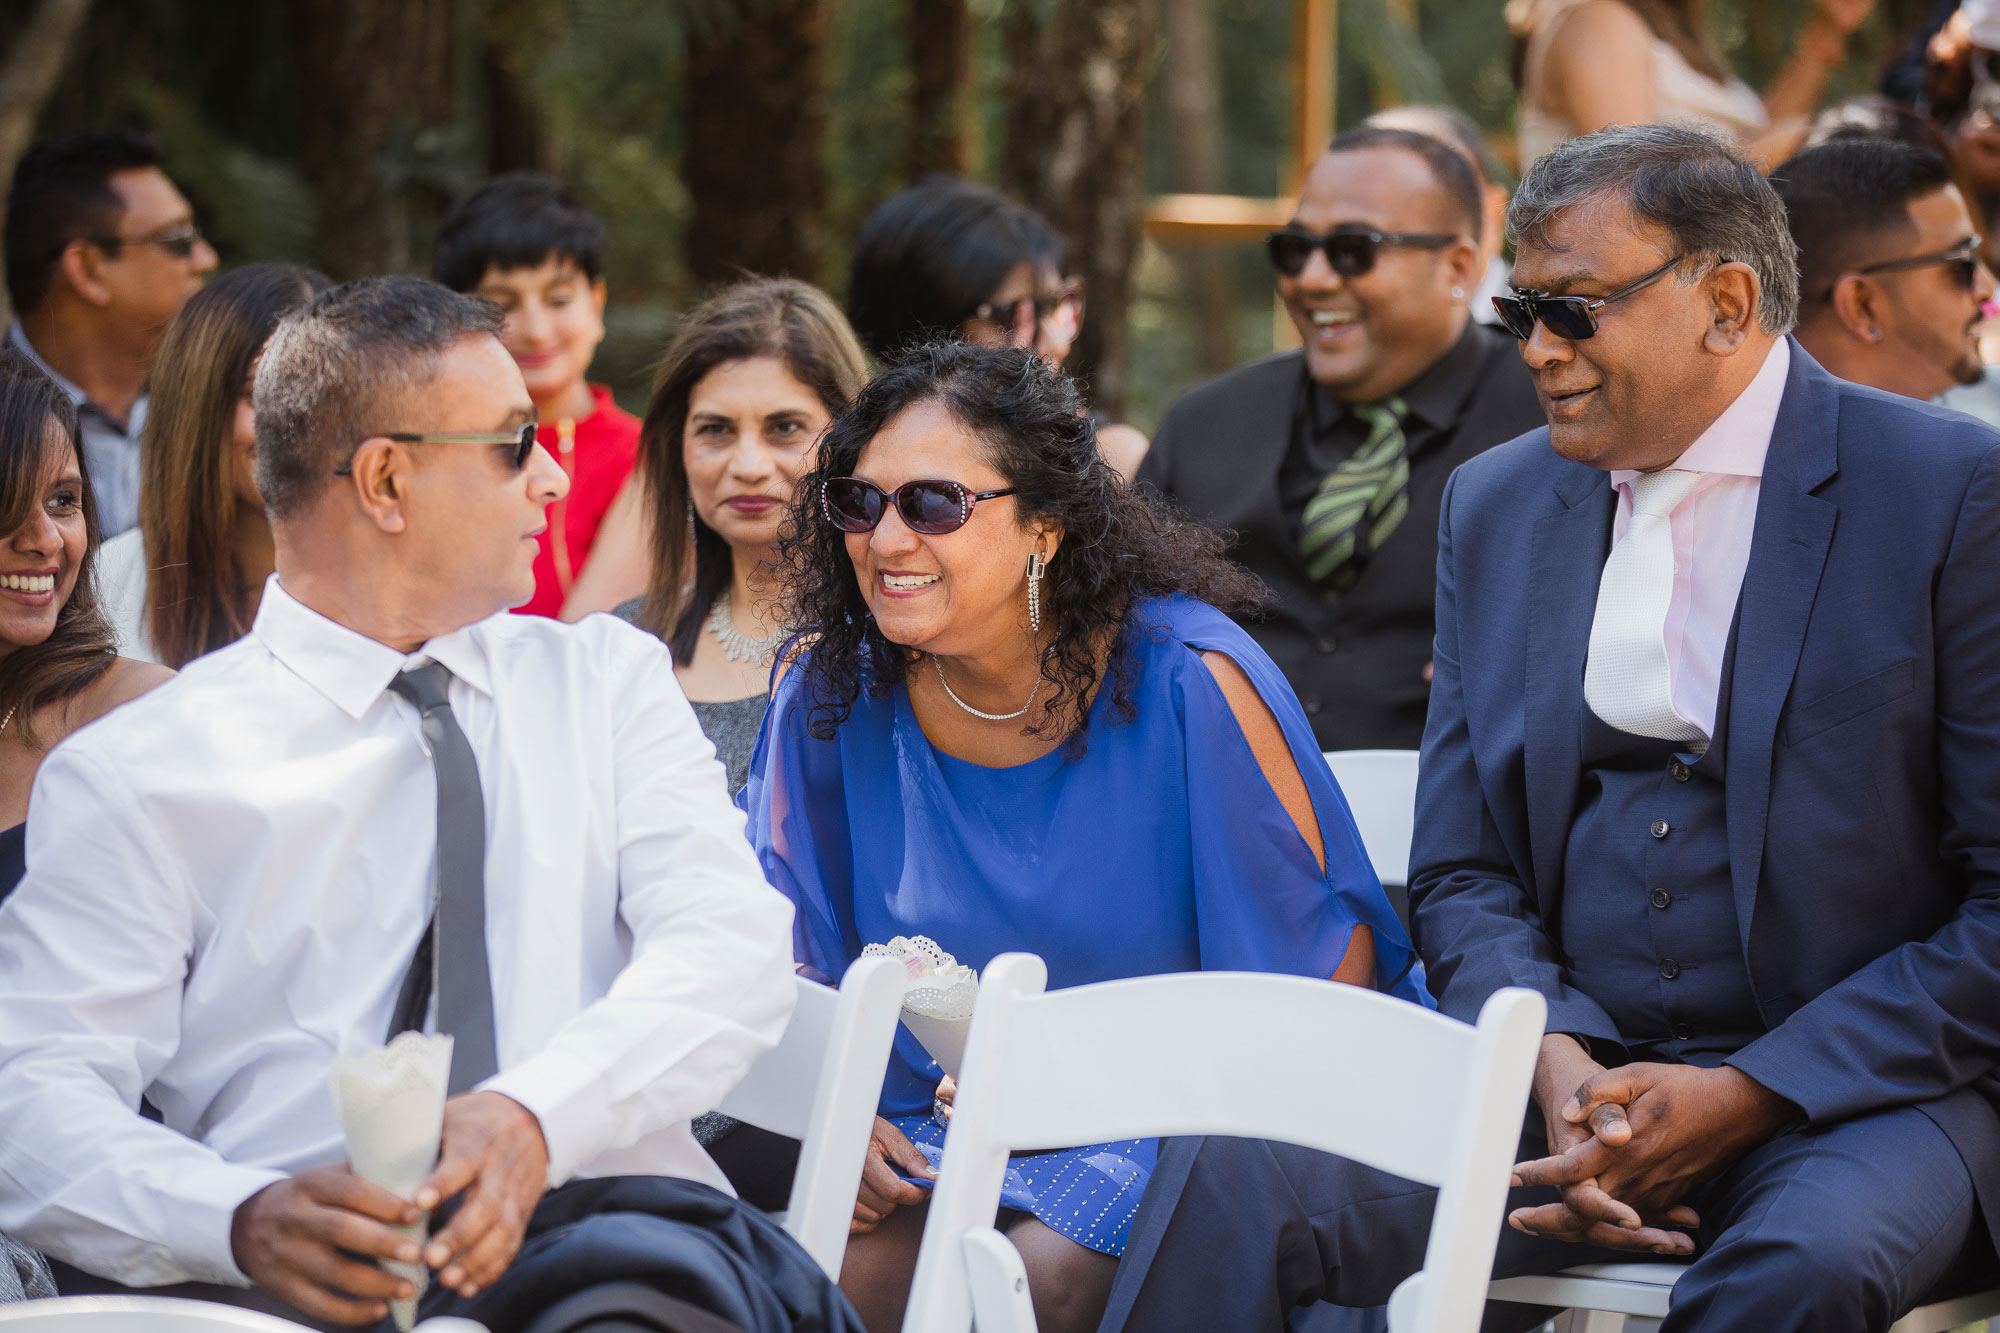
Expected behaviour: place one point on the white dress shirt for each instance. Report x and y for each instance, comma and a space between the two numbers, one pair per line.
1712, 529
121, 593
227, 879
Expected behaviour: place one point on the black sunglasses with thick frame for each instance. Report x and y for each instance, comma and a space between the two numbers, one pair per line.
1350, 249
930, 507
1962, 259
1571, 317
523, 441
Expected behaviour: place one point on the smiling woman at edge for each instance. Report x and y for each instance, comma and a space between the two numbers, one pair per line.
1020, 722
58, 667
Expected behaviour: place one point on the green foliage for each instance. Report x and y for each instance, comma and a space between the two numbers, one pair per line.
215, 78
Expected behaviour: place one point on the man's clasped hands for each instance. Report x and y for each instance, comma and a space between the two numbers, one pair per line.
1627, 1145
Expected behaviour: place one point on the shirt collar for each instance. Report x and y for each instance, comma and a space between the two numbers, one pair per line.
349, 668
1434, 397
18, 338
1736, 442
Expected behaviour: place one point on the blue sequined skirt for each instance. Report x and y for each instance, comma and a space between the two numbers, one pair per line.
1088, 1194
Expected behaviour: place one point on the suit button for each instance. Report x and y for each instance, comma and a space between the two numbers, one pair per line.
1326, 645
1683, 1031
1669, 968
1660, 826
1312, 706
1680, 771
1660, 898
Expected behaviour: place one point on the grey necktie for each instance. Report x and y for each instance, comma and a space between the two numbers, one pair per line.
457, 934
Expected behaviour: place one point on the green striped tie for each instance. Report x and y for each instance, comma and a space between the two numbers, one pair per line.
1360, 502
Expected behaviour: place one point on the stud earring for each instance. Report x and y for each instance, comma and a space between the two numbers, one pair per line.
1458, 293
1036, 564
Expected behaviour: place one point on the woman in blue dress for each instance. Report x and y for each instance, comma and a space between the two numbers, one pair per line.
1021, 722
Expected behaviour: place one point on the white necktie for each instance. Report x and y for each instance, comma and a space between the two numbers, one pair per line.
1627, 681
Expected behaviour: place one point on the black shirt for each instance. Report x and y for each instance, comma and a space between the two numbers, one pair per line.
1247, 450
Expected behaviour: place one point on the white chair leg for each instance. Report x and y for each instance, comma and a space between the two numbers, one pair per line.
1590, 1321
999, 1284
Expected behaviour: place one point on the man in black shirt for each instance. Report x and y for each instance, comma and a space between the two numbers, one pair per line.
1329, 462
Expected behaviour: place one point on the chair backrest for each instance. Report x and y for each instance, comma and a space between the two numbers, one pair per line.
1315, 1063
820, 1084
135, 1314
1381, 791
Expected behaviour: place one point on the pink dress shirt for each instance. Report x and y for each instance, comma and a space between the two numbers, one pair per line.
1712, 528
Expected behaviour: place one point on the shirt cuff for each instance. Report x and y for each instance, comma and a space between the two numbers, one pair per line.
563, 1093
204, 1213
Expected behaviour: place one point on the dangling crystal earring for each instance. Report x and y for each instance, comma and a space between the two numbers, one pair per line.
1035, 566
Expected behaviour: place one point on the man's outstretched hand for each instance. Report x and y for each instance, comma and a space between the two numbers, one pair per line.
306, 1241
493, 1150
1649, 1134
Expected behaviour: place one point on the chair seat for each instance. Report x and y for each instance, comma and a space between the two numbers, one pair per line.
1642, 1290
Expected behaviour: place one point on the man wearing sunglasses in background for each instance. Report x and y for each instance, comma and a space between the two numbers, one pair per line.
1711, 765
1328, 461
1891, 287
102, 252
391, 806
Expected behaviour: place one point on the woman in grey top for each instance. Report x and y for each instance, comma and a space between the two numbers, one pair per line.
735, 417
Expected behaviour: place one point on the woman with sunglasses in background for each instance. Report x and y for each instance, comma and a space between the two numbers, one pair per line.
189, 578
59, 665
1585, 64
946, 258
1019, 721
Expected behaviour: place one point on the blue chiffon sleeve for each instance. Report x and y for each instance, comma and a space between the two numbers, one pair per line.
1262, 902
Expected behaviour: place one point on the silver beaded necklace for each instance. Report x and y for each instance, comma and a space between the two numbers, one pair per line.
738, 646
990, 717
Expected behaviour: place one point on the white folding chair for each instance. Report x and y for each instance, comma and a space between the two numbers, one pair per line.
1599, 1298
1331, 1067
1381, 791
163, 1314
820, 1084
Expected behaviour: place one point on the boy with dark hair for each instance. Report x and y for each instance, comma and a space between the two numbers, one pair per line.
102, 252
522, 242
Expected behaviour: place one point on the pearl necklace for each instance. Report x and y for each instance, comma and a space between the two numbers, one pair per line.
990, 717
738, 646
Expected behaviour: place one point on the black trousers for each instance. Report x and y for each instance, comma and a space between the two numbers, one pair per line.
1836, 1230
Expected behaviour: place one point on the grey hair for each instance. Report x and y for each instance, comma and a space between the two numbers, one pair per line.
1706, 194
336, 371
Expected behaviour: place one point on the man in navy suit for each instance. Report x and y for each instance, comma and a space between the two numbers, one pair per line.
1713, 764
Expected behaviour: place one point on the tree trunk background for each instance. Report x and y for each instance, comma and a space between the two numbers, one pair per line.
941, 86
34, 64
1075, 128
1194, 115
756, 133
368, 72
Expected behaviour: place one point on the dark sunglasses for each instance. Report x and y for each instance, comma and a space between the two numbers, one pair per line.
1030, 312
1571, 317
1962, 260
523, 441
1350, 250
930, 507
180, 242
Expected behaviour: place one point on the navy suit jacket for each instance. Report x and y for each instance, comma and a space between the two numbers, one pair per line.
1862, 753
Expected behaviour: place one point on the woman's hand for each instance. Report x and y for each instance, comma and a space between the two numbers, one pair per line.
881, 1188
947, 1093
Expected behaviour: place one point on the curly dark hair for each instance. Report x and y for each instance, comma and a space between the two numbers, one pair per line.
1119, 545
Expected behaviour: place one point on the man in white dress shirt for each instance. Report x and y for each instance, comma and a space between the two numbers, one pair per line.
230, 885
